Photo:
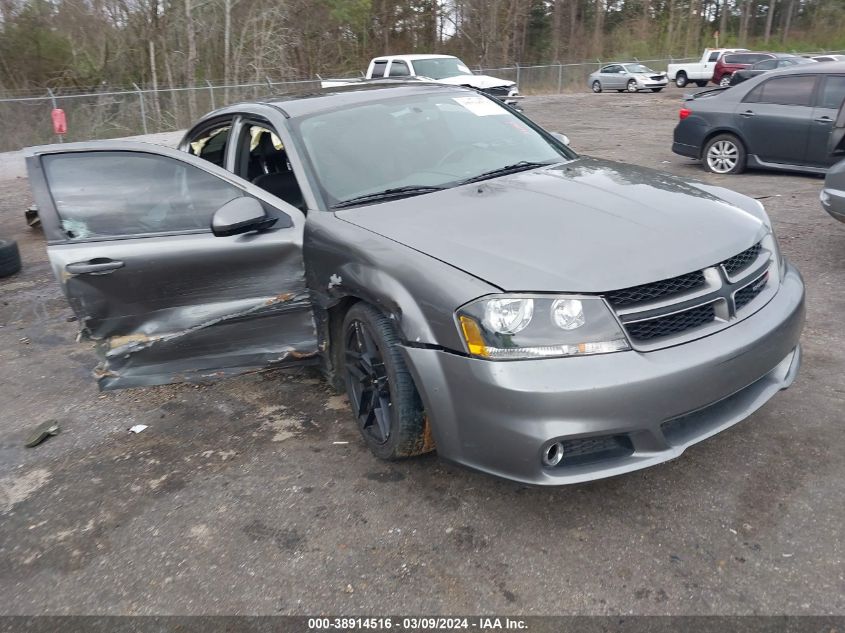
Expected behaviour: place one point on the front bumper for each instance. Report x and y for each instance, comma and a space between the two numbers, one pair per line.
496, 417
833, 201
652, 83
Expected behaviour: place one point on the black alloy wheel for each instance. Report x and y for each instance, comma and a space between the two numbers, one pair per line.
379, 385
369, 383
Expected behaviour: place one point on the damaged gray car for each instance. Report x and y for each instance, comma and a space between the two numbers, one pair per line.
474, 284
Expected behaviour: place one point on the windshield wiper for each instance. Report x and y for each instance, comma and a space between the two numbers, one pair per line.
522, 165
388, 194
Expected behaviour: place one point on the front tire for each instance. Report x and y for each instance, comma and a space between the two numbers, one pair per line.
380, 388
681, 79
10, 258
632, 86
724, 154
596, 86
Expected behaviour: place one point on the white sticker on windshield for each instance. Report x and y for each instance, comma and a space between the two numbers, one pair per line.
480, 106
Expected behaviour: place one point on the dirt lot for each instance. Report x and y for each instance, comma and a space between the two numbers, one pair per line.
236, 500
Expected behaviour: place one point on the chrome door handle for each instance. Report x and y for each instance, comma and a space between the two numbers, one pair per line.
94, 266
824, 119
747, 113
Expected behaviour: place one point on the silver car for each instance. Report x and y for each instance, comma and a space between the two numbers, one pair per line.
829, 58
630, 77
470, 281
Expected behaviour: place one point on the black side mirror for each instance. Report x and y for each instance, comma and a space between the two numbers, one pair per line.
240, 215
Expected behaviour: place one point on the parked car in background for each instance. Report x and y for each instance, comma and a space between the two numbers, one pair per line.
828, 58
833, 193
408, 238
628, 76
778, 120
700, 72
781, 60
444, 69
732, 62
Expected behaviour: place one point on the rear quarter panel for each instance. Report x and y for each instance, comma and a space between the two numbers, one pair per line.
708, 119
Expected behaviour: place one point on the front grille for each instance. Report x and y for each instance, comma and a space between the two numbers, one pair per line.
657, 77
672, 323
656, 290
744, 296
690, 301
592, 449
738, 262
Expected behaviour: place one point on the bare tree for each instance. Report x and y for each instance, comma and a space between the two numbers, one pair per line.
787, 24
191, 58
770, 14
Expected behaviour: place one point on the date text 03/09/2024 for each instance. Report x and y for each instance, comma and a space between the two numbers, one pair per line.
415, 623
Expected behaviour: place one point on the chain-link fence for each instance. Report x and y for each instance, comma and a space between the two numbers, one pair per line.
113, 113
26, 120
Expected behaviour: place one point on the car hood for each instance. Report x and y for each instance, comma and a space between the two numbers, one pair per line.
475, 81
583, 226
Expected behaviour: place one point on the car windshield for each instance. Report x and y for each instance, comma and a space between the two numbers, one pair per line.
421, 141
440, 67
638, 68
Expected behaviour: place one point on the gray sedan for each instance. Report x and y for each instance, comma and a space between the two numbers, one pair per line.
630, 77
470, 282
780, 120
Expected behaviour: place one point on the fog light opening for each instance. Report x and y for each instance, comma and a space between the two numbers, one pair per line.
552, 454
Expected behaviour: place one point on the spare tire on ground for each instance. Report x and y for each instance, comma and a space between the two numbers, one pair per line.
10, 258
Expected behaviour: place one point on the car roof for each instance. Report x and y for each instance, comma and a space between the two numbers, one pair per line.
309, 102
757, 53
819, 68
413, 57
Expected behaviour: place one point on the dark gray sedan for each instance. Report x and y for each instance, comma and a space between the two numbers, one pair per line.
779, 120
471, 282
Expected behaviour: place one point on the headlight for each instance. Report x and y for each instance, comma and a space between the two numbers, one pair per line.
507, 316
511, 327
770, 242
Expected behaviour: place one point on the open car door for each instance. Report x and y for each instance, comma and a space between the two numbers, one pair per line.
178, 269
836, 139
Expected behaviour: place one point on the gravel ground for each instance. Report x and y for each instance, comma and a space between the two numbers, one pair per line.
236, 500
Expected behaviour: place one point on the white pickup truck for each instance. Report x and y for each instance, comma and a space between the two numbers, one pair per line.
700, 72
444, 69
